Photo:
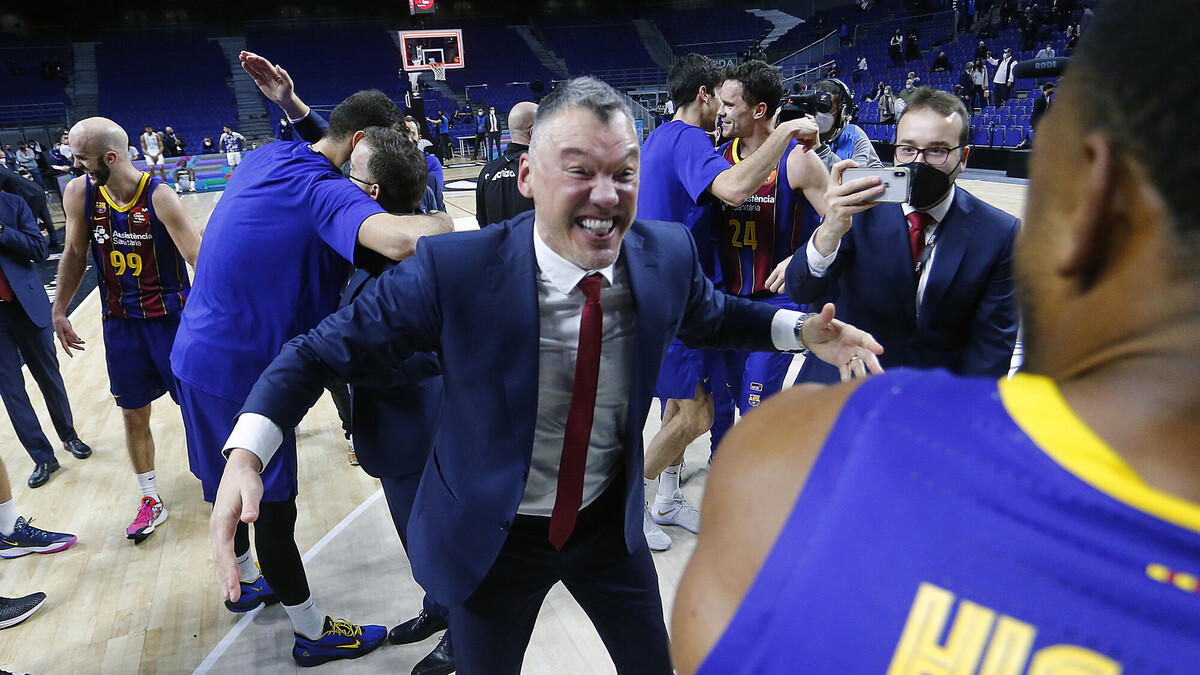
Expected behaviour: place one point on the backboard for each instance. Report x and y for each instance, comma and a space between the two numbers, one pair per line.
419, 48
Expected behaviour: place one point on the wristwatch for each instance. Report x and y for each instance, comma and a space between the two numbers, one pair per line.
799, 337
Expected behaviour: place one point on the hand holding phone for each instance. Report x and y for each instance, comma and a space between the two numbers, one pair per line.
896, 182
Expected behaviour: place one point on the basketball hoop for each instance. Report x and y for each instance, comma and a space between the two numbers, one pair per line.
439, 71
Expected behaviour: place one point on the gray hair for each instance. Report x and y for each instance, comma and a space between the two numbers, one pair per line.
582, 92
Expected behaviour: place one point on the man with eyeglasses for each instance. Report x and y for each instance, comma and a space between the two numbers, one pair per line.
931, 279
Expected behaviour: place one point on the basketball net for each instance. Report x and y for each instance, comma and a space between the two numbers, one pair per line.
439, 71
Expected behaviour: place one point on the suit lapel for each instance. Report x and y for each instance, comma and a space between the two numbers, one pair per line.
953, 238
514, 326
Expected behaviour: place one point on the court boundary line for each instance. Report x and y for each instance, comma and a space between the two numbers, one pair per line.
232, 635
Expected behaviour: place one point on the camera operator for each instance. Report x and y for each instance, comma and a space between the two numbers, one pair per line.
842, 138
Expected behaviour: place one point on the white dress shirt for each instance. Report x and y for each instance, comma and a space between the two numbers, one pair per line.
819, 264
493, 123
560, 308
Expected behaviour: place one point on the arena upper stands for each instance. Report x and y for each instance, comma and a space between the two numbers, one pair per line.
185, 77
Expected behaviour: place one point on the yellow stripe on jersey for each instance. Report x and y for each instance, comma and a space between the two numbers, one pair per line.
136, 195
1037, 406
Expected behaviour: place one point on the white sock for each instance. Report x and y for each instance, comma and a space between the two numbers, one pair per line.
307, 620
8, 517
147, 484
249, 569
668, 482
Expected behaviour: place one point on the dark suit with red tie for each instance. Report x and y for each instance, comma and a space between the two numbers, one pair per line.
473, 298
968, 318
25, 331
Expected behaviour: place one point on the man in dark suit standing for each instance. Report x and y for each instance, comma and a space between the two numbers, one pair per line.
937, 291
536, 472
13, 183
25, 331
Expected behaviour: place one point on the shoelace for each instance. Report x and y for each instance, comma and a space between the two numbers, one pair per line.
344, 627
31, 531
146, 511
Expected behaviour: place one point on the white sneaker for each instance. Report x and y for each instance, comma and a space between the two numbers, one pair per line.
655, 537
675, 511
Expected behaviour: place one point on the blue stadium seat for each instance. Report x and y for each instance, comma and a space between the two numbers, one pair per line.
1012, 137
981, 136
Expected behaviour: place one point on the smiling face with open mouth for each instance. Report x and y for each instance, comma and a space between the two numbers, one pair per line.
582, 175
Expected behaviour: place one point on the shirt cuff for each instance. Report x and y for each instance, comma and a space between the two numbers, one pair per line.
819, 264
299, 119
255, 433
783, 330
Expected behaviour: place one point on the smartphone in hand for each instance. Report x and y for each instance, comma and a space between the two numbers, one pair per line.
897, 182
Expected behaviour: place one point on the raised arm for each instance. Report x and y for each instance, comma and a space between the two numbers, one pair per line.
396, 236
735, 184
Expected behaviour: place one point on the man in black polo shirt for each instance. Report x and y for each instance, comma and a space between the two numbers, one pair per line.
496, 195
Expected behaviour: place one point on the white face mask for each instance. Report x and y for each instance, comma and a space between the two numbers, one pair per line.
824, 122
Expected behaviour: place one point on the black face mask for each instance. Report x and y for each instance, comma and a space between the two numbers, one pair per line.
929, 185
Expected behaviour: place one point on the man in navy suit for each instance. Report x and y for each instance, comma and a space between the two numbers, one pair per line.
25, 331
518, 493
937, 291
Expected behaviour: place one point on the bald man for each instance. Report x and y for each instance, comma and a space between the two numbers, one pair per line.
140, 236
496, 196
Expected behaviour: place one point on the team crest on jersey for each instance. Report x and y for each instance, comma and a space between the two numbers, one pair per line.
139, 217
101, 208
756, 386
100, 234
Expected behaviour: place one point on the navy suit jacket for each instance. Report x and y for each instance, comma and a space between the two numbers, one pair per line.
968, 319
472, 297
22, 249
394, 412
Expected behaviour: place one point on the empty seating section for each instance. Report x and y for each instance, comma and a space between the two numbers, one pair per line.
716, 30
601, 49
330, 63
165, 79
30, 94
497, 56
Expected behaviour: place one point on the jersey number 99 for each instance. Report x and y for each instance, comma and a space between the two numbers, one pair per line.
123, 262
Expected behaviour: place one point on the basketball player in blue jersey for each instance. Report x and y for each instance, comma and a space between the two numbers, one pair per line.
924, 522
684, 180
753, 239
140, 236
278, 250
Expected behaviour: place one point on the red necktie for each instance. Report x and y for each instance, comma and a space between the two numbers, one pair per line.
579, 420
6, 291
917, 222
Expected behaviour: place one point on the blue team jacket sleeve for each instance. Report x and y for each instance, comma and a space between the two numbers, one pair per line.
803, 288
311, 128
21, 236
385, 325
993, 329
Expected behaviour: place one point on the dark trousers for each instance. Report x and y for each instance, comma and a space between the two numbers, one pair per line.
493, 139
978, 96
480, 145
617, 589
340, 393
19, 337
41, 210
401, 492
1001, 95
447, 147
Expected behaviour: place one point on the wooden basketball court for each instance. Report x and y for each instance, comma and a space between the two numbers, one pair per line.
155, 607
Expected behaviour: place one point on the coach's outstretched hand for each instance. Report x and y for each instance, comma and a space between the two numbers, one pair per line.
853, 350
275, 83
238, 497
